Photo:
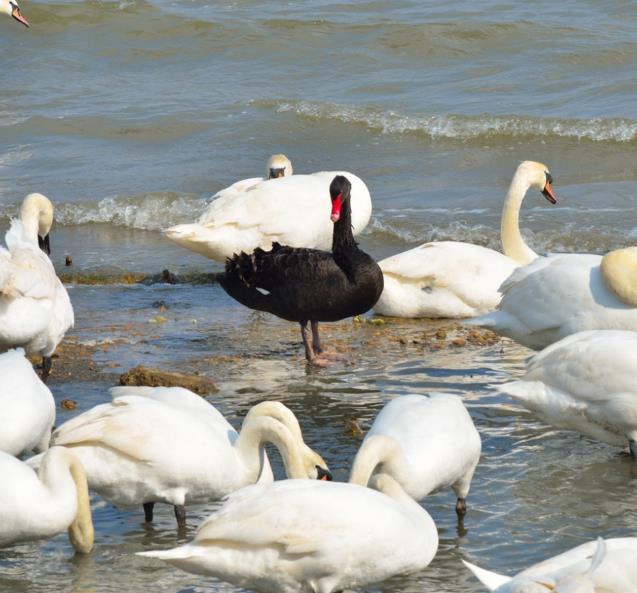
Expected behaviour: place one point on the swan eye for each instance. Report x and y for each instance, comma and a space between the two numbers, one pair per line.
549, 177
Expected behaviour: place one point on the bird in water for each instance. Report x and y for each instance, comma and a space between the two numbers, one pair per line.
309, 285
11, 8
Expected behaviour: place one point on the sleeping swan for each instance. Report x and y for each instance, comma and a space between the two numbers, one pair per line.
291, 210
456, 279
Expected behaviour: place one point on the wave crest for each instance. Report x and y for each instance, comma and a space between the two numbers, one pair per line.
464, 127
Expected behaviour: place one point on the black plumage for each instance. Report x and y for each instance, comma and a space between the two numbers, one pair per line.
309, 285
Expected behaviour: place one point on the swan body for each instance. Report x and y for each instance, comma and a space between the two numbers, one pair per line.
28, 408
35, 309
291, 210
586, 383
139, 449
300, 284
602, 566
41, 505
425, 443
556, 296
11, 8
298, 536
452, 279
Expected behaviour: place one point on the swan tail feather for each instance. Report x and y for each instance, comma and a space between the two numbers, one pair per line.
491, 580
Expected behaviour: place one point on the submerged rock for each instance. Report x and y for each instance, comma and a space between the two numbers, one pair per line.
145, 376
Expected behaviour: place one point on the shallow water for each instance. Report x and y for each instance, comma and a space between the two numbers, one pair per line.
129, 115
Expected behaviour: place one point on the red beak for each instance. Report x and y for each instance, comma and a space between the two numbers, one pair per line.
337, 203
17, 15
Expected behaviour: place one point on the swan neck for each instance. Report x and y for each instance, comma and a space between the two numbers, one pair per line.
36, 215
58, 468
513, 244
343, 236
261, 430
279, 412
375, 450
81, 533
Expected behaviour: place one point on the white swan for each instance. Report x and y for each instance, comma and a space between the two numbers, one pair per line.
293, 211
455, 279
602, 566
560, 295
27, 408
140, 450
586, 383
35, 309
36, 506
425, 443
298, 536
11, 8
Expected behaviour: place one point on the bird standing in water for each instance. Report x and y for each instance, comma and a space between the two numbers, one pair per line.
309, 285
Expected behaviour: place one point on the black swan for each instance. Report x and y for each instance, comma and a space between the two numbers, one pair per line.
309, 285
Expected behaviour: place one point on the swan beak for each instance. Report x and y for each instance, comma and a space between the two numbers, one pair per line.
547, 192
17, 15
44, 244
337, 204
276, 173
323, 474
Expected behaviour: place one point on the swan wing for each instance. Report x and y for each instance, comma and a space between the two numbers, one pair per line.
133, 426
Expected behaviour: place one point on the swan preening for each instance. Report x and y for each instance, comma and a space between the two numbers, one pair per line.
602, 566
455, 279
37, 506
168, 445
35, 309
292, 210
27, 408
308, 285
425, 443
298, 536
586, 383
560, 295
11, 8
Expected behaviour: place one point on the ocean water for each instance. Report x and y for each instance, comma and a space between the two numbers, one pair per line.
130, 115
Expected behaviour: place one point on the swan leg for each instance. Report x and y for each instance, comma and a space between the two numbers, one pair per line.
47, 363
632, 445
316, 339
180, 515
311, 356
461, 507
148, 511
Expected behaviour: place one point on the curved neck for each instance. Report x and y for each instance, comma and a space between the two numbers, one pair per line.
375, 450
513, 244
343, 237
36, 214
58, 464
261, 430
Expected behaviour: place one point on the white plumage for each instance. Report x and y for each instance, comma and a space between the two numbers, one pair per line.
292, 210
425, 443
556, 296
299, 536
35, 309
27, 408
455, 279
585, 382
36, 506
602, 566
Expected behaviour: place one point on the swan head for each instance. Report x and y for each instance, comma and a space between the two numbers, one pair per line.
339, 193
11, 8
278, 166
36, 212
539, 177
315, 465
